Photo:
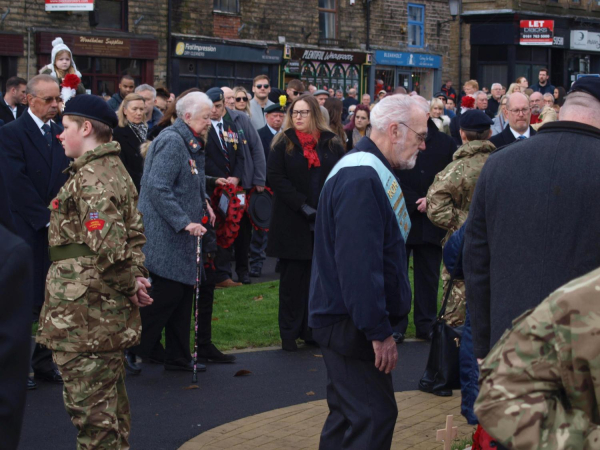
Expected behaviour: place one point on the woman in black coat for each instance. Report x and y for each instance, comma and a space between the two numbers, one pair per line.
301, 159
130, 134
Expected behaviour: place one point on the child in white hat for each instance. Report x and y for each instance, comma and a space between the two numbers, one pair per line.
62, 64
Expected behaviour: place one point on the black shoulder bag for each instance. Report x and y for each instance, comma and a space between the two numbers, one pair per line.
442, 373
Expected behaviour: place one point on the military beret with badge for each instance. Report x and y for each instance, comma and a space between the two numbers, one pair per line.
475, 120
91, 107
215, 94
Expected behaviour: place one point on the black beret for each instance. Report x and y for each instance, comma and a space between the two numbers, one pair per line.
215, 94
91, 107
440, 94
475, 120
276, 107
589, 85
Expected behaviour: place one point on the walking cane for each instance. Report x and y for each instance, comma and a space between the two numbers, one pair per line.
198, 278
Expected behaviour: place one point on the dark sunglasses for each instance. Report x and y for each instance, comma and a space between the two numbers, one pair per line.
260, 86
296, 93
241, 99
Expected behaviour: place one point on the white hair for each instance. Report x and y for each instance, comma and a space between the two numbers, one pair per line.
549, 96
192, 103
496, 84
145, 87
478, 93
395, 109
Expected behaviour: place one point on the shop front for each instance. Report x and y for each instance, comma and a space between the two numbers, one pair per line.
420, 72
206, 63
326, 69
11, 48
103, 59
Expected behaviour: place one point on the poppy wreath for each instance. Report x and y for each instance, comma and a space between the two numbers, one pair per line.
227, 228
252, 191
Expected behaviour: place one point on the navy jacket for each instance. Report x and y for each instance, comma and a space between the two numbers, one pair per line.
266, 137
506, 137
359, 264
215, 159
532, 225
6, 114
130, 153
33, 177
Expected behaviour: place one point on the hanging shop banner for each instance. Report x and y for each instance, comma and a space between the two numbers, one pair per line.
224, 52
408, 59
310, 54
69, 5
537, 32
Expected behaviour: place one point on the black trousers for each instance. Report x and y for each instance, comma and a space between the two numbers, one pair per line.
241, 247
362, 407
171, 311
426, 261
293, 299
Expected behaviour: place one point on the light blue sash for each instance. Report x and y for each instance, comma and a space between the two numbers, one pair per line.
388, 180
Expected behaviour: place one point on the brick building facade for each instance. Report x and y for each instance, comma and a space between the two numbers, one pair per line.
228, 42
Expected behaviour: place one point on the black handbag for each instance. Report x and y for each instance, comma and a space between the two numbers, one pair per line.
442, 373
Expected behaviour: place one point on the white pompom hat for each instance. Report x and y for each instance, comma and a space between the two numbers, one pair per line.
57, 46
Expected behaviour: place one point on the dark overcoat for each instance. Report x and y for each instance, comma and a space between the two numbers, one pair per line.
130, 153
33, 176
6, 114
266, 137
506, 137
532, 225
415, 182
216, 162
290, 236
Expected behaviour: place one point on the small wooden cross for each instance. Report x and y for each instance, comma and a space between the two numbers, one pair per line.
447, 434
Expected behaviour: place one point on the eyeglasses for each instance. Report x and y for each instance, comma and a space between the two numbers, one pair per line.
422, 137
260, 86
241, 99
49, 100
296, 93
520, 112
303, 113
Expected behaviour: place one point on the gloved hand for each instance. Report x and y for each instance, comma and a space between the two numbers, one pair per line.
309, 212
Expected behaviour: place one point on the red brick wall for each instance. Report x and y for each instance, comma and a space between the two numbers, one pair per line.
226, 25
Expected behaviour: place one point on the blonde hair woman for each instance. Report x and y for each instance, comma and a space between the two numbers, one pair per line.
436, 112
130, 134
514, 87
302, 156
242, 99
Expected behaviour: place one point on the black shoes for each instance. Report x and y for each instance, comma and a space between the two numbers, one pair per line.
31, 384
131, 366
398, 337
245, 279
186, 367
289, 345
210, 353
255, 273
51, 376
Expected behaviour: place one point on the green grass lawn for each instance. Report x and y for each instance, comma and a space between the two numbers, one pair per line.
246, 316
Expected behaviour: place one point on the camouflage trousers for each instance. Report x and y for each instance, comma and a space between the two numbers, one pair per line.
457, 302
95, 398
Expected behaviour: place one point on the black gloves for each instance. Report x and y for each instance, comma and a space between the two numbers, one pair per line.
309, 212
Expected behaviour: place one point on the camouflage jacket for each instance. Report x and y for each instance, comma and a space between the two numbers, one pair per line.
449, 197
87, 308
539, 386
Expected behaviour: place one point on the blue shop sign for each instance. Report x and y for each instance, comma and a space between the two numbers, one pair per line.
408, 59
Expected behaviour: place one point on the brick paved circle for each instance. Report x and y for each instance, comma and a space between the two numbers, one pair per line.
299, 426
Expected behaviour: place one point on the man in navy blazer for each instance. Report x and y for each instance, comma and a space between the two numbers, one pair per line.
10, 105
519, 116
34, 175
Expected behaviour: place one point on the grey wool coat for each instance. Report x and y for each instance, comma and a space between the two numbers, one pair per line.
255, 165
171, 198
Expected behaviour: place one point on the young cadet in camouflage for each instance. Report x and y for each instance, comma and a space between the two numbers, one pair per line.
539, 384
450, 195
97, 280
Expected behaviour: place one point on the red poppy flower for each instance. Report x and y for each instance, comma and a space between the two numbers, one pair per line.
55, 203
204, 220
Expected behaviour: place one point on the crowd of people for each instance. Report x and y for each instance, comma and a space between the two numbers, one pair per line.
127, 208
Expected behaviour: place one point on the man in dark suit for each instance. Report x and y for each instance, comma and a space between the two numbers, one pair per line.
519, 116
348, 102
16, 275
532, 223
225, 162
425, 239
34, 175
11, 105
274, 115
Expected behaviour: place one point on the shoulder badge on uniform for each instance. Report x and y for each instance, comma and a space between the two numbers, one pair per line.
94, 215
95, 223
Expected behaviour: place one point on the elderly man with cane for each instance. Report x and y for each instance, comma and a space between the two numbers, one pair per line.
359, 286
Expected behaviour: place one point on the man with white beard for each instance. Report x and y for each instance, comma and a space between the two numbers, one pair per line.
359, 283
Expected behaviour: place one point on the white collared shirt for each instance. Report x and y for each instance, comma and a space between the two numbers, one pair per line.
215, 124
527, 133
39, 122
273, 130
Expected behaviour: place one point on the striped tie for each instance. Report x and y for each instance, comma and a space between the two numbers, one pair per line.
224, 148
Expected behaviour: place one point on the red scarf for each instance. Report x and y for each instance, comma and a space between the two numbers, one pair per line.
308, 143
